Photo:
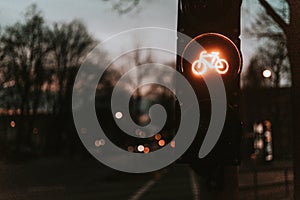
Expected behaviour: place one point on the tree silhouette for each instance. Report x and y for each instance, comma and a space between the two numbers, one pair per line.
70, 44
24, 48
292, 32
124, 6
271, 56
39, 63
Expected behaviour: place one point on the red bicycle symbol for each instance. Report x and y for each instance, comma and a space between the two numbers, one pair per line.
211, 60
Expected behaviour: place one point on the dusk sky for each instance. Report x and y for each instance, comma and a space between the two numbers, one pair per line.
103, 22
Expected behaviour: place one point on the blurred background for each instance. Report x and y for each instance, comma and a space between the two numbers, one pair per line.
42, 45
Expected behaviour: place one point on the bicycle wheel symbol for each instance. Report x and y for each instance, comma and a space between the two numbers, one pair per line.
222, 66
198, 67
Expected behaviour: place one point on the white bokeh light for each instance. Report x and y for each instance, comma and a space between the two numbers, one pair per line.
119, 115
141, 148
267, 73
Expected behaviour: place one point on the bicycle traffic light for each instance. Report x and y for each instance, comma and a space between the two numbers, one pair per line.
214, 27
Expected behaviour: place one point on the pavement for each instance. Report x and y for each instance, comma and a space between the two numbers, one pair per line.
79, 178
266, 180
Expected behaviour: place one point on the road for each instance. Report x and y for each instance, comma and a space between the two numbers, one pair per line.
86, 179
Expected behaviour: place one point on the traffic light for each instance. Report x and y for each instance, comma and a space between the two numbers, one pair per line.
214, 26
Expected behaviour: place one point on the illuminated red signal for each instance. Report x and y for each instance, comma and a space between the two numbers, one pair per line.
210, 60
205, 60
211, 51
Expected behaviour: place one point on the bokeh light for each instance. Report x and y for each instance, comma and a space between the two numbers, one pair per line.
267, 73
146, 150
13, 124
161, 143
157, 136
141, 148
119, 115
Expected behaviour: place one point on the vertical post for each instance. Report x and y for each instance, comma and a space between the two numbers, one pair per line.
196, 17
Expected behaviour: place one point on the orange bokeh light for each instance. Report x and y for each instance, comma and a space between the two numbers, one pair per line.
13, 124
161, 143
146, 150
157, 136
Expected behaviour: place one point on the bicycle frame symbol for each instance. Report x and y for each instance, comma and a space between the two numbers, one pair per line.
211, 60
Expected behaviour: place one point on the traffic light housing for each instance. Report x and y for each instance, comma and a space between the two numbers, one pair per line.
215, 26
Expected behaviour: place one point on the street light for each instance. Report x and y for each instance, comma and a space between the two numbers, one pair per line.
267, 73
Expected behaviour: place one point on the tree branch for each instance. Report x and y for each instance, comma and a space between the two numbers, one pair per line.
125, 6
271, 12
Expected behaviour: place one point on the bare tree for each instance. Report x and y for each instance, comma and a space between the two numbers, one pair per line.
292, 33
124, 6
23, 49
39, 63
271, 56
70, 43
